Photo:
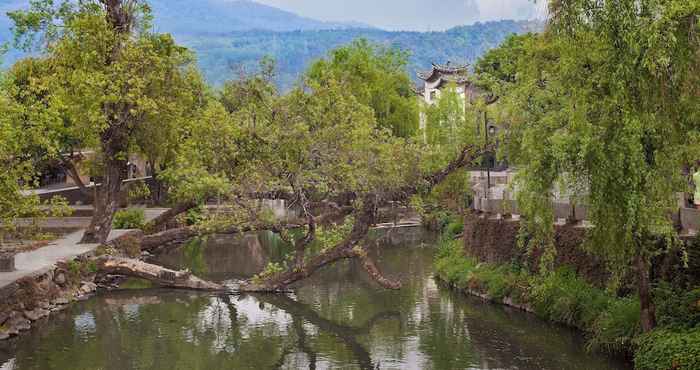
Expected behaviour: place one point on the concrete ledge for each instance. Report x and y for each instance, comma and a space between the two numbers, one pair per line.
690, 219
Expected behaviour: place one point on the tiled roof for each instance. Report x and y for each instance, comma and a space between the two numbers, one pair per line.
447, 69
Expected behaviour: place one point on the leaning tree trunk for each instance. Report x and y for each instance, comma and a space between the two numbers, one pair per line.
159, 223
351, 247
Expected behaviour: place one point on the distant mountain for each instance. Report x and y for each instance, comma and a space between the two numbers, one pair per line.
220, 56
228, 34
200, 17
191, 17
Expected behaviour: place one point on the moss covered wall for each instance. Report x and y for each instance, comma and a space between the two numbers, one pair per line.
496, 241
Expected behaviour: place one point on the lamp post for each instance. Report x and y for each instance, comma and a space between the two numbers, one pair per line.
488, 167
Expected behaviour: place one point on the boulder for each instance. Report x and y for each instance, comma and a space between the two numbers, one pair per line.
36, 314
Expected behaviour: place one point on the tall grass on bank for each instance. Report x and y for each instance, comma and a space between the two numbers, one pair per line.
610, 322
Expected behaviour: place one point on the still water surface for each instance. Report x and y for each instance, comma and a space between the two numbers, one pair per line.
336, 320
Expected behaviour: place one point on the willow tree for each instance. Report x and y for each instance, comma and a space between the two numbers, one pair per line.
607, 100
121, 88
377, 77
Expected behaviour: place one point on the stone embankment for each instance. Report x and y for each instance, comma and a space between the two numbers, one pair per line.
35, 297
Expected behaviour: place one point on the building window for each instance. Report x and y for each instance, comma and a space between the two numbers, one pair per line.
433, 95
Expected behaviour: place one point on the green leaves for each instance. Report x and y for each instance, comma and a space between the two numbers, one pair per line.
376, 77
609, 106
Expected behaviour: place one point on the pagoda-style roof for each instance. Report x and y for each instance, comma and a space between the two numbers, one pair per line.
448, 69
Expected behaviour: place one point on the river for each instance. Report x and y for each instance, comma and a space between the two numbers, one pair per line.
338, 319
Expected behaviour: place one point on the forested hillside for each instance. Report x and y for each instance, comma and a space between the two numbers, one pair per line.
230, 35
220, 56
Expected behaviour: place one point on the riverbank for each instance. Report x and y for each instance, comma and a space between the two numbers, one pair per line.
337, 318
610, 323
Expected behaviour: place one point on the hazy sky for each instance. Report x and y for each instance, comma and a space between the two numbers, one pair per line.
412, 14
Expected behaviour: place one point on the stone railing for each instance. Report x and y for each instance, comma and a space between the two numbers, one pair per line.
497, 201
74, 196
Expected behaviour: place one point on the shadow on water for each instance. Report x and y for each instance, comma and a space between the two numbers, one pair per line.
338, 319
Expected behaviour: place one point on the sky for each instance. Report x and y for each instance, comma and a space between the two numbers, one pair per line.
417, 15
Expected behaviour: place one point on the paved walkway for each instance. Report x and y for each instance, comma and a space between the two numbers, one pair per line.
66, 248
44, 259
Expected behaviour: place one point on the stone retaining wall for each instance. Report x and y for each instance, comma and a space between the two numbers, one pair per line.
35, 297
496, 241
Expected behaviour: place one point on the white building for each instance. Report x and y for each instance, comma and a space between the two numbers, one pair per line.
440, 76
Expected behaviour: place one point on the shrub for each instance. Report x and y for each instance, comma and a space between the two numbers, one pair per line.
617, 326
453, 228
451, 265
564, 297
194, 215
677, 308
132, 218
665, 349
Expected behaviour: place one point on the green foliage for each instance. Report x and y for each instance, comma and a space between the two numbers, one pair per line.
665, 349
677, 308
446, 120
589, 108
272, 269
194, 216
131, 218
616, 327
138, 192
561, 296
376, 77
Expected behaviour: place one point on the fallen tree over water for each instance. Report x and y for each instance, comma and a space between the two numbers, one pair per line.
154, 273
364, 214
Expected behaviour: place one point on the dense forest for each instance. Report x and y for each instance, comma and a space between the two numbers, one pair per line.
221, 56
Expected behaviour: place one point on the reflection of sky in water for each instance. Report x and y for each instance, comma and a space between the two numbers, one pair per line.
256, 316
85, 324
9, 365
131, 311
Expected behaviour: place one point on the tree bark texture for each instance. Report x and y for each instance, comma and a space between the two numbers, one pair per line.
156, 274
648, 309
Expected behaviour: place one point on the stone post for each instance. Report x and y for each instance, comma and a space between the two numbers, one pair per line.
7, 262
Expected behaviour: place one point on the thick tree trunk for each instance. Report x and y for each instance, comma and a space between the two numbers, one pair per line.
156, 274
648, 309
107, 202
106, 206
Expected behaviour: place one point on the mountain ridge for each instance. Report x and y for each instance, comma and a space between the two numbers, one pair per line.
229, 35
